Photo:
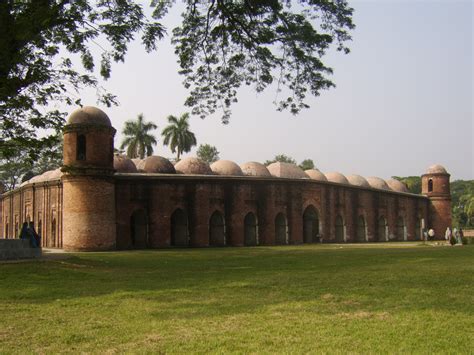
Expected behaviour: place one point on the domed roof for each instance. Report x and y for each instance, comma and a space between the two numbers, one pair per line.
55, 174
89, 115
252, 168
397, 185
286, 170
378, 183
193, 166
337, 178
156, 164
124, 165
436, 169
226, 167
357, 180
315, 174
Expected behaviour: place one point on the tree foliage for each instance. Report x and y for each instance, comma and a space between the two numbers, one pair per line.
138, 140
208, 153
307, 164
282, 158
178, 136
221, 45
462, 200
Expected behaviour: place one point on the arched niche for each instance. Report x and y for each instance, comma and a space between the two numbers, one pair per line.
217, 229
340, 230
361, 229
310, 225
250, 230
179, 229
139, 229
281, 229
401, 229
382, 232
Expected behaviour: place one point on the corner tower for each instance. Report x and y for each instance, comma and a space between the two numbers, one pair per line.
435, 185
88, 185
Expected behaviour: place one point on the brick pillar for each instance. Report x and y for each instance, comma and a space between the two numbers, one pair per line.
236, 214
266, 215
295, 214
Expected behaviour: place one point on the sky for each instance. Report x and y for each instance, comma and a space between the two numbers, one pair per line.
403, 99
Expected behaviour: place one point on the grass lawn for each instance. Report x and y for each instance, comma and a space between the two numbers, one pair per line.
311, 298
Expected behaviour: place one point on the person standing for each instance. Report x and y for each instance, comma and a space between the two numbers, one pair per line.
448, 235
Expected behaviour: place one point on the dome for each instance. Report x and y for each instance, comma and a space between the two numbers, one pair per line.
397, 185
226, 167
123, 164
89, 115
253, 168
357, 180
378, 183
193, 166
436, 169
136, 161
286, 170
156, 164
55, 174
336, 177
315, 174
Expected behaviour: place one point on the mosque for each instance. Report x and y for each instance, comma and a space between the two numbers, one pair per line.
98, 201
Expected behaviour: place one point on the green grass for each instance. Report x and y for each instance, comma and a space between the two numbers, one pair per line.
314, 298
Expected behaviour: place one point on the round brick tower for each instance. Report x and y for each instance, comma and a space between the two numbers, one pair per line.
435, 185
88, 186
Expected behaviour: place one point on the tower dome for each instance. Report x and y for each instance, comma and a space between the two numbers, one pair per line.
357, 180
89, 115
193, 166
253, 168
436, 169
315, 174
286, 170
336, 177
226, 167
378, 183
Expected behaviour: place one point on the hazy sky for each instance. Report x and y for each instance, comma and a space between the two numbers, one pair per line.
402, 102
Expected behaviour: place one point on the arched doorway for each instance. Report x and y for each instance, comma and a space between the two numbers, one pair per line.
401, 231
52, 237
139, 229
250, 230
310, 225
281, 230
361, 232
382, 230
216, 229
340, 230
179, 229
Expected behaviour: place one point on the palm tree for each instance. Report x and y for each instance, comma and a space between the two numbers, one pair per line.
178, 136
137, 139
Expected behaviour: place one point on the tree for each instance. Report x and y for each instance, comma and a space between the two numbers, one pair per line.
208, 153
307, 164
282, 158
221, 45
178, 136
138, 140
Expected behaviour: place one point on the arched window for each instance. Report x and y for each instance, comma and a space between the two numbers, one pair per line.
139, 229
81, 147
217, 229
281, 230
382, 230
340, 230
250, 230
361, 232
430, 185
179, 229
310, 225
401, 230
